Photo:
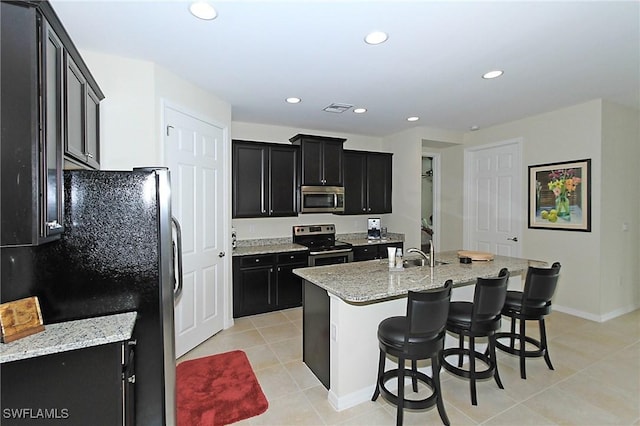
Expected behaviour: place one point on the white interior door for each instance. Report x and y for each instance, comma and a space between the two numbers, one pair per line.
194, 154
493, 205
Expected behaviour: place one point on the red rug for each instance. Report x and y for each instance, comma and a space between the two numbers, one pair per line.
217, 390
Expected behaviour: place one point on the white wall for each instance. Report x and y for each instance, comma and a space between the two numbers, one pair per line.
407, 148
567, 134
619, 249
279, 227
127, 122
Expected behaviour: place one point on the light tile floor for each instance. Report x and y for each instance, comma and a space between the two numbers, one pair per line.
596, 379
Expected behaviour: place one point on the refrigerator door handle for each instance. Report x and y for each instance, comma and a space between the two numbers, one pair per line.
177, 290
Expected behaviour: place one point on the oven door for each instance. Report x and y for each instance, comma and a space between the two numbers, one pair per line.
330, 257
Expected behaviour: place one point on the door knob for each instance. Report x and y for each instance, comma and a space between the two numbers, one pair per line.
514, 239
221, 254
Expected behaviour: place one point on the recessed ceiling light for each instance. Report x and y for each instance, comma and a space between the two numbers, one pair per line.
203, 10
294, 100
474, 128
376, 37
413, 118
492, 74
360, 110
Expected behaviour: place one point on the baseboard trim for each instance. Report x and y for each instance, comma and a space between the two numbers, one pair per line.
593, 317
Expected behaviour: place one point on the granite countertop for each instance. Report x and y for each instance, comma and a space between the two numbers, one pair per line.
372, 281
70, 335
284, 244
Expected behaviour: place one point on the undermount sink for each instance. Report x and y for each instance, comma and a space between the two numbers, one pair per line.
412, 263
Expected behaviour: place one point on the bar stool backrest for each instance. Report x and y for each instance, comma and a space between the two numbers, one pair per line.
539, 286
427, 312
489, 297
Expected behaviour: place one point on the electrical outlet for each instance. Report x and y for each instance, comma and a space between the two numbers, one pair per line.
333, 332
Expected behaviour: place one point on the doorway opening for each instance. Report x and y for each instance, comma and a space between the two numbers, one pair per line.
426, 205
430, 201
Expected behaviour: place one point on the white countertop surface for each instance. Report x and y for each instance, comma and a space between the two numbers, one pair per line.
372, 281
70, 335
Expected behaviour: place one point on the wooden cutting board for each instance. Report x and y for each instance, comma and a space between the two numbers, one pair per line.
476, 255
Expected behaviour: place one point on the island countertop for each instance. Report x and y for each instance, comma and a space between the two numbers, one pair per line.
373, 281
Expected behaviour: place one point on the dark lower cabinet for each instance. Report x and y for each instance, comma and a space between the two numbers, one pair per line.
265, 283
373, 251
90, 386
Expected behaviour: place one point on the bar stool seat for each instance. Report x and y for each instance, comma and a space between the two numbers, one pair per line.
478, 319
418, 335
531, 304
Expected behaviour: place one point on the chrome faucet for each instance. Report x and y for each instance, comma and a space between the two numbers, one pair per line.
427, 257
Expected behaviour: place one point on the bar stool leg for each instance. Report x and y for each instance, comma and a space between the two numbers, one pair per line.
435, 367
494, 360
381, 362
461, 346
523, 370
543, 341
472, 370
400, 404
414, 378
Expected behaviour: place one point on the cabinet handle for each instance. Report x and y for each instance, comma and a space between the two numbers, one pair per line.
89, 155
221, 254
257, 260
53, 225
131, 379
279, 269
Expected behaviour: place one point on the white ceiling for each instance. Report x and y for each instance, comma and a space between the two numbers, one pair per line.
257, 53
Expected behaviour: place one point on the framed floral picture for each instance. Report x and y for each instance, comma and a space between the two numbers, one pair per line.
560, 196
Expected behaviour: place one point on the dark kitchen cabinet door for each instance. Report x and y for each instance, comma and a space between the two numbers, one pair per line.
265, 283
289, 289
31, 115
253, 284
355, 184
265, 179
322, 160
249, 176
379, 182
368, 182
283, 180
78, 387
362, 253
373, 251
82, 118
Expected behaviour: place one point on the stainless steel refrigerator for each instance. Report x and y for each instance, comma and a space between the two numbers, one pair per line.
117, 254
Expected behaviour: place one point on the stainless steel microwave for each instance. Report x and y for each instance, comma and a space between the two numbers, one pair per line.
321, 199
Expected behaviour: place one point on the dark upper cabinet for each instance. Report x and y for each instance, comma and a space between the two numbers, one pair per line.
321, 160
82, 118
367, 182
31, 68
35, 49
264, 179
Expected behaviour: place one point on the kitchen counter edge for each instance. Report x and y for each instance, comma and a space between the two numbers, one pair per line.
254, 247
70, 335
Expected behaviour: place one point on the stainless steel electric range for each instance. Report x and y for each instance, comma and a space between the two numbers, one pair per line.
323, 247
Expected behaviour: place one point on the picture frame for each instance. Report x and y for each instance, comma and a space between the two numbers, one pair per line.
560, 196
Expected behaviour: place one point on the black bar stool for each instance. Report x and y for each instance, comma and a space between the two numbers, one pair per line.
418, 335
534, 303
478, 319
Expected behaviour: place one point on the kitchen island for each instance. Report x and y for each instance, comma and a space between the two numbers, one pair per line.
344, 303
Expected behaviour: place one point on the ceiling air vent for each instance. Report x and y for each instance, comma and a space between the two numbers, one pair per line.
337, 108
